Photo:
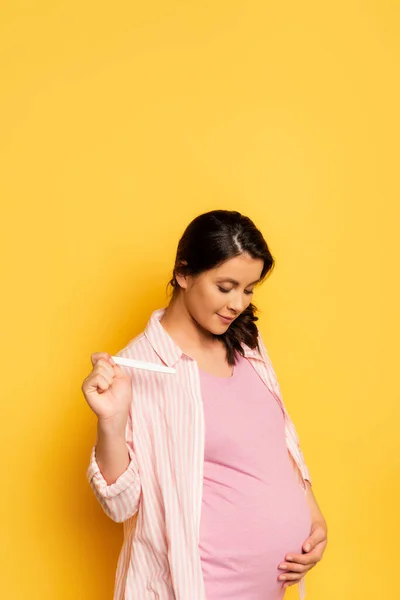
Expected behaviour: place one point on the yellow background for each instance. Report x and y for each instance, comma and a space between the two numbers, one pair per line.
120, 123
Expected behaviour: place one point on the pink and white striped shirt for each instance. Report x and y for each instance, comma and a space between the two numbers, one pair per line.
159, 496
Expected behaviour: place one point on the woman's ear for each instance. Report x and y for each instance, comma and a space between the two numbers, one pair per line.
180, 276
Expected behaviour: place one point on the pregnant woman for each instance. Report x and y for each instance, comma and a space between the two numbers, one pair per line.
204, 466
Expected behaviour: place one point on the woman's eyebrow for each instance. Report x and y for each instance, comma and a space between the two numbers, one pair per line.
234, 280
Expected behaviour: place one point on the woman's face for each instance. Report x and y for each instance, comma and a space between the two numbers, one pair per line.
225, 291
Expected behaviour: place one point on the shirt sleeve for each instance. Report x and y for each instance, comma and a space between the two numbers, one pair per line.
119, 500
294, 440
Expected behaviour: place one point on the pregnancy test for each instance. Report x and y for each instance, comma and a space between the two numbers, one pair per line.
142, 364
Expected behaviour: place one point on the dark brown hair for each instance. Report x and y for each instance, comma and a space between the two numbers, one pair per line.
208, 241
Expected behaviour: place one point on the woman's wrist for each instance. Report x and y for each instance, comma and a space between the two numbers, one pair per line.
112, 427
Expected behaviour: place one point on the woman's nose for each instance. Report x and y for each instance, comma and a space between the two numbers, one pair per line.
236, 304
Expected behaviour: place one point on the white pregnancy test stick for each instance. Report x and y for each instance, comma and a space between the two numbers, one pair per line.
141, 364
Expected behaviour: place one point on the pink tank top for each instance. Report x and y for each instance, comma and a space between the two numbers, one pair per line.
254, 510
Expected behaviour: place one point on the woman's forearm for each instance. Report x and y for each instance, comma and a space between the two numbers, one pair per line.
111, 451
315, 511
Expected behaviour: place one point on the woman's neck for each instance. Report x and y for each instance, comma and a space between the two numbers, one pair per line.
185, 331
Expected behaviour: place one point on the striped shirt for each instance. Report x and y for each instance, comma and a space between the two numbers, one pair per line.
159, 496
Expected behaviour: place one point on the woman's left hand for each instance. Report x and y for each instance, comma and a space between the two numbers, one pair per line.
299, 564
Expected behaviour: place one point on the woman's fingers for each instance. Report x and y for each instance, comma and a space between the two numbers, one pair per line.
96, 356
102, 383
293, 573
107, 389
290, 576
107, 367
101, 377
304, 559
288, 583
106, 370
118, 371
293, 568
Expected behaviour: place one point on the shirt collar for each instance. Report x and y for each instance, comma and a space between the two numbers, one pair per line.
168, 350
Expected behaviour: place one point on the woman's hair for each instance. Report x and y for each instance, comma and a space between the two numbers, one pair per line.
208, 241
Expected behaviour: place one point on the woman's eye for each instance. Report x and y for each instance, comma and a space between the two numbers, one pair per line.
224, 291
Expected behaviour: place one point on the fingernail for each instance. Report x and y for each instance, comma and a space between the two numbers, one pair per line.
289, 558
283, 566
307, 547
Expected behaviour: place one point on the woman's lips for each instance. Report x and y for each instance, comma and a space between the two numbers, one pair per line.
225, 319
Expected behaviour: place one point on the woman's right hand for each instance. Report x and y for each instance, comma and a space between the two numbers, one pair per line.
108, 390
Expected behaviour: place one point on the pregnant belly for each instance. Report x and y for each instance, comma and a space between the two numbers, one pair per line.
245, 536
